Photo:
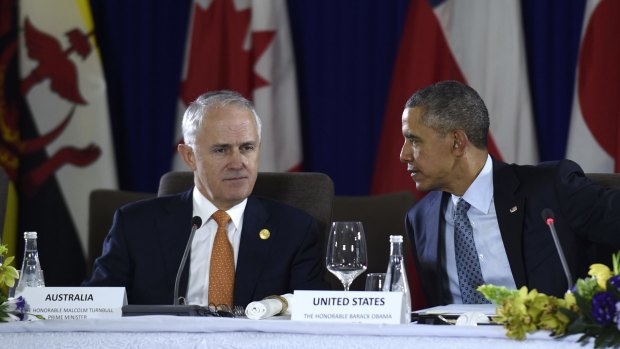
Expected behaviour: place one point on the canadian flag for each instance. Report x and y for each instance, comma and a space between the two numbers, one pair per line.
594, 131
245, 46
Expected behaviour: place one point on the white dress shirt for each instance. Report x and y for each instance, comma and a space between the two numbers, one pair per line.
200, 257
487, 236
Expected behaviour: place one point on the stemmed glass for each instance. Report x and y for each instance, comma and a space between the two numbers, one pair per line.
346, 251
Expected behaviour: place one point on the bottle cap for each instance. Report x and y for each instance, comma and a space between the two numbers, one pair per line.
30, 235
396, 238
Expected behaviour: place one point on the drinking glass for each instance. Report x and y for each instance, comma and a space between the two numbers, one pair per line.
374, 281
346, 251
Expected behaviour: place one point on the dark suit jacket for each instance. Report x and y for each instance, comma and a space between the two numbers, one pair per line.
586, 215
145, 245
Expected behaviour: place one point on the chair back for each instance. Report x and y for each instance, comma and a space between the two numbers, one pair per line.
609, 180
102, 205
598, 253
312, 192
382, 216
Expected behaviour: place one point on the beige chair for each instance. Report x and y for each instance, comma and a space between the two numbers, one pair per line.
382, 216
102, 205
611, 180
599, 253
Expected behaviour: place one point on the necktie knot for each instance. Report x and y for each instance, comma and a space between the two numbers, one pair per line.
221, 218
462, 206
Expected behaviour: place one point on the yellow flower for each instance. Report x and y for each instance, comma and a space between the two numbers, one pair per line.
570, 300
602, 273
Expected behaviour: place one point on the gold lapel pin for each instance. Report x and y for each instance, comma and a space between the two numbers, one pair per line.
513, 209
264, 234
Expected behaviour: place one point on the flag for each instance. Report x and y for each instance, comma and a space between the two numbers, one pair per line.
65, 146
245, 46
477, 42
9, 112
593, 139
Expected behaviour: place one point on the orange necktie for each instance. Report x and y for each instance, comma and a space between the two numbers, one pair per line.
222, 268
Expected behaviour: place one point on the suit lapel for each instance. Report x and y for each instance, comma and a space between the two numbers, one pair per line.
252, 250
434, 233
173, 228
510, 210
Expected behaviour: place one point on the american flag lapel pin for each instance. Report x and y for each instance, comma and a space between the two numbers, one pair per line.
513, 209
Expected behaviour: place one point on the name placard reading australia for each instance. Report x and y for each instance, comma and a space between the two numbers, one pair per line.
351, 306
75, 303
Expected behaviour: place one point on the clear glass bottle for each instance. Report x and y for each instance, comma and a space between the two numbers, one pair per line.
396, 276
31, 274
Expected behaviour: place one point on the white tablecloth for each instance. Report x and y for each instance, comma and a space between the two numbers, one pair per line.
197, 332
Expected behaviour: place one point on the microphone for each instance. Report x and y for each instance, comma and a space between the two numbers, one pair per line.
196, 223
547, 216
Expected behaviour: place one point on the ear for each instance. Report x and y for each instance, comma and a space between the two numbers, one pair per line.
460, 141
187, 154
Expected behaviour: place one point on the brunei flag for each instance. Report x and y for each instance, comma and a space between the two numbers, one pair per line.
10, 104
56, 130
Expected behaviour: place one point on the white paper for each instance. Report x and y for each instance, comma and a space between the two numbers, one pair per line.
457, 309
268, 307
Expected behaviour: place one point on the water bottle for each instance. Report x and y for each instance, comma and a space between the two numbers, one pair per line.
31, 274
396, 276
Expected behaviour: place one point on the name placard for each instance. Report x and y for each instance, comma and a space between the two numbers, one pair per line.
351, 306
75, 303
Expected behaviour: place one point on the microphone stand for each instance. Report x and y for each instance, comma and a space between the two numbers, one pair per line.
548, 217
196, 223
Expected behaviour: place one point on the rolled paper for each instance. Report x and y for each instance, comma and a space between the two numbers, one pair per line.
268, 307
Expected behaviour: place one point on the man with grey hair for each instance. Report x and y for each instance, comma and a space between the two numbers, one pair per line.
248, 247
481, 220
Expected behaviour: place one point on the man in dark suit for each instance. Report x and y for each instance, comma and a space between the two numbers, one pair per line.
261, 247
478, 206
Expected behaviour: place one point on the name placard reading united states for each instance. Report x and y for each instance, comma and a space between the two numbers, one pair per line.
351, 306
75, 303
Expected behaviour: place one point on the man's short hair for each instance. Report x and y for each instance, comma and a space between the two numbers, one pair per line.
194, 115
450, 105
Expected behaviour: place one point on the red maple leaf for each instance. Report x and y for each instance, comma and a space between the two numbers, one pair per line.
217, 58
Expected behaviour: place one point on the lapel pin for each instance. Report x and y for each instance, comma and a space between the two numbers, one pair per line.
513, 209
264, 234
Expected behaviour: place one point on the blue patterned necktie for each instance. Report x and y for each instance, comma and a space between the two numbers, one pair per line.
467, 263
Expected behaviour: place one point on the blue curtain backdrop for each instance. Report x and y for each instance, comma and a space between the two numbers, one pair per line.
552, 35
345, 51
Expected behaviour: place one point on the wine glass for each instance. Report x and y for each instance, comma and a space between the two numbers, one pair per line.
374, 282
346, 251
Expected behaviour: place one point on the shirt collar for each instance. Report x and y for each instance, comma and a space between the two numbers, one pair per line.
480, 192
205, 208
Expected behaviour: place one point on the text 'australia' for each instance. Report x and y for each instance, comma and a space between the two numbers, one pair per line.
69, 297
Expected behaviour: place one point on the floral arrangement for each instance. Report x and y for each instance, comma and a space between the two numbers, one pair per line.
591, 309
10, 309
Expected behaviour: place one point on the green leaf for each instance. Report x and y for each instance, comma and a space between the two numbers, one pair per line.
496, 294
8, 260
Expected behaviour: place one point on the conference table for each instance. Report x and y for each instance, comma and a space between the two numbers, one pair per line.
169, 332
